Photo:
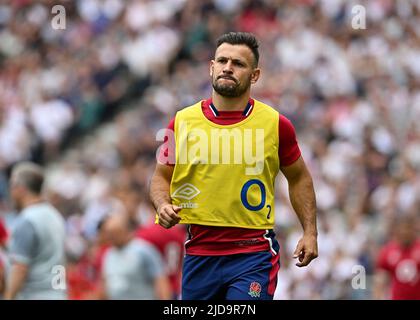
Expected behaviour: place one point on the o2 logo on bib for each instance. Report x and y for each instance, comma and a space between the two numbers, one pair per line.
244, 196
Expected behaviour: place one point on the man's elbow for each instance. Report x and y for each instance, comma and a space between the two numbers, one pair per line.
303, 179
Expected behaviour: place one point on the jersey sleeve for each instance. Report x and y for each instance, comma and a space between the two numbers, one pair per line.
166, 153
24, 242
289, 150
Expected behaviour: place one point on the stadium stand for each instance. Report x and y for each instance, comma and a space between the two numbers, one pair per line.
87, 102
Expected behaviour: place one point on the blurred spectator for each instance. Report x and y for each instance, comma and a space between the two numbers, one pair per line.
132, 267
85, 266
399, 260
37, 242
58, 84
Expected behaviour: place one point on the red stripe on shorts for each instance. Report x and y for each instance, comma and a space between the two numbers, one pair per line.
275, 267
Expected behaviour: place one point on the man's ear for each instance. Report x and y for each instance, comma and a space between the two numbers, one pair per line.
211, 66
255, 75
18, 190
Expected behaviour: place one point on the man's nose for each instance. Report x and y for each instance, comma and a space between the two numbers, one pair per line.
228, 67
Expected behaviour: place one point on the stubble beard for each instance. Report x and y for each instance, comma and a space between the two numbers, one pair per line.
230, 90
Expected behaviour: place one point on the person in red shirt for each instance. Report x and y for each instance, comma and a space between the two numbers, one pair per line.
170, 244
399, 260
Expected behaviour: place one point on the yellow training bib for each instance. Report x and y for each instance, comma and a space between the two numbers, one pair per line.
224, 174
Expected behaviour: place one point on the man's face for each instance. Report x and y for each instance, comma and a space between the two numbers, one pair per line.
115, 231
233, 70
406, 233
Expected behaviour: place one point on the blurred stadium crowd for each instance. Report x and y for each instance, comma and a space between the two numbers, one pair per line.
87, 102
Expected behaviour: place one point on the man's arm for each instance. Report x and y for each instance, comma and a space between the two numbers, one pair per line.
160, 196
381, 275
2, 279
163, 288
380, 285
302, 197
155, 269
102, 293
17, 278
23, 247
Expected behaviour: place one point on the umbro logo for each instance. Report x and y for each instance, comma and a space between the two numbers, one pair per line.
186, 191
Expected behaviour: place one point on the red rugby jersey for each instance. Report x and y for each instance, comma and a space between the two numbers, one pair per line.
209, 240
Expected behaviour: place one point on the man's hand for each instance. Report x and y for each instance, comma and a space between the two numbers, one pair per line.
168, 215
306, 250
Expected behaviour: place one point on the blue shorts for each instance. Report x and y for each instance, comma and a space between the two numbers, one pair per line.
245, 276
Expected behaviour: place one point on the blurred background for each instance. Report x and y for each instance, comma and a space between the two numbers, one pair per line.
86, 103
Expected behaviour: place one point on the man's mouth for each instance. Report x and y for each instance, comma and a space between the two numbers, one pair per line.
226, 78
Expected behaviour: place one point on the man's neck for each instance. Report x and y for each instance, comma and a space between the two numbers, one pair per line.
230, 104
31, 200
127, 241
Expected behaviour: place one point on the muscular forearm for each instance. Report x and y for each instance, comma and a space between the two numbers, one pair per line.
160, 196
302, 197
18, 276
159, 191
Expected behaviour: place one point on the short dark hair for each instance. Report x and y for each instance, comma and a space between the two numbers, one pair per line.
245, 38
29, 175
